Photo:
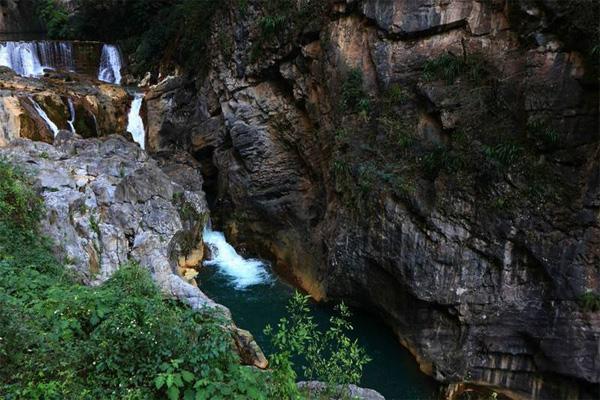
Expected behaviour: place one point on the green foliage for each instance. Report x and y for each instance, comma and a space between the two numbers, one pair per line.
63, 340
503, 155
20, 206
449, 67
330, 356
440, 159
541, 131
590, 301
55, 17
354, 97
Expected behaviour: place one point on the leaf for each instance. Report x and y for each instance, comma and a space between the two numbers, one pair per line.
189, 394
187, 376
159, 381
173, 393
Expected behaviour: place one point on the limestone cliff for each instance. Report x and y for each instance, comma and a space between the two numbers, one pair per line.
100, 109
18, 17
435, 161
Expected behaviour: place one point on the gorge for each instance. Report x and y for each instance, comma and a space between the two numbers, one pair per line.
433, 163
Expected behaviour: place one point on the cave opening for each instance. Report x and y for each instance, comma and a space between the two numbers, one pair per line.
210, 174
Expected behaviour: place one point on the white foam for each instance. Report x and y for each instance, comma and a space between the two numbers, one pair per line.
45, 117
135, 124
110, 65
71, 120
242, 272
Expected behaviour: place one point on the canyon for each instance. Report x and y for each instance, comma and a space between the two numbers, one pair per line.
435, 162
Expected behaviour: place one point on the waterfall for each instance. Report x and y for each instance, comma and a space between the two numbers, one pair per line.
31, 58
45, 117
135, 124
21, 57
110, 65
56, 55
71, 120
242, 272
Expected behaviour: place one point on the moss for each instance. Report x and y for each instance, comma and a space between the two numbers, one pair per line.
590, 301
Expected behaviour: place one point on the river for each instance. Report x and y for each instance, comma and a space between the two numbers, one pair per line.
256, 297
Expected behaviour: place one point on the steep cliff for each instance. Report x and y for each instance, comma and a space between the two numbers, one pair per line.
18, 17
437, 162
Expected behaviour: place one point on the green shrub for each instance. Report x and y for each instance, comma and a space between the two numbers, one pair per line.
590, 301
354, 98
63, 340
504, 154
541, 131
440, 159
55, 17
20, 206
449, 67
330, 356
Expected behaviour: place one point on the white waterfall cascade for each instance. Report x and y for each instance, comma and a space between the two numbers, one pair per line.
31, 58
242, 272
71, 120
110, 65
45, 117
135, 124
21, 57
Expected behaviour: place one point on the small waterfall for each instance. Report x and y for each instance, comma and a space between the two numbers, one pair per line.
21, 57
135, 124
243, 273
110, 65
56, 55
31, 58
71, 120
45, 117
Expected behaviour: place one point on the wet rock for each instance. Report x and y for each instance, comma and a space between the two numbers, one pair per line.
100, 109
318, 389
482, 295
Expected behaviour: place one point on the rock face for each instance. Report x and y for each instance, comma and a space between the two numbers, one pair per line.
100, 109
108, 203
18, 16
478, 269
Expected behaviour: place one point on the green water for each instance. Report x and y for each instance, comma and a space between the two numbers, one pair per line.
393, 371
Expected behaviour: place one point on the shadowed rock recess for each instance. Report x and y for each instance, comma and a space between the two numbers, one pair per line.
434, 161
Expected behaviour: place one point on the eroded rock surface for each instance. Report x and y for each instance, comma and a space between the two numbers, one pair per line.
100, 109
108, 203
479, 289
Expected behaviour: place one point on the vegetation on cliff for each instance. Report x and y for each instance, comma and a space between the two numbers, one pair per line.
62, 340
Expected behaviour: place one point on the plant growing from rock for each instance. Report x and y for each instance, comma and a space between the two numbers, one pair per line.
329, 356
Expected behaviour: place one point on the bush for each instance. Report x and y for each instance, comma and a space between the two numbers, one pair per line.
20, 206
449, 67
354, 97
590, 301
330, 356
62, 340
55, 17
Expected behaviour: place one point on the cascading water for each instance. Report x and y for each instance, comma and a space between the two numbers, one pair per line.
241, 272
135, 124
31, 58
51, 125
56, 55
71, 120
256, 298
110, 65
21, 57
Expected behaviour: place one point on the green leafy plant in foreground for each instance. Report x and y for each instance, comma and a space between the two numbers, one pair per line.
123, 340
63, 340
330, 356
